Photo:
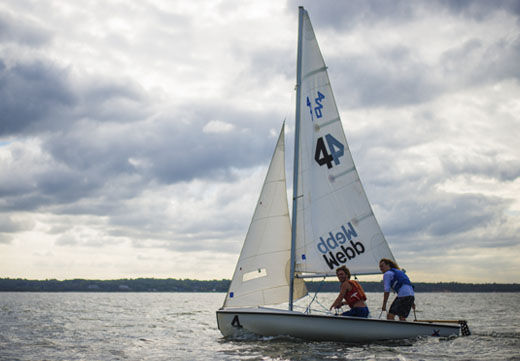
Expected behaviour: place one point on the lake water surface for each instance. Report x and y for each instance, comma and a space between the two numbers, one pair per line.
182, 326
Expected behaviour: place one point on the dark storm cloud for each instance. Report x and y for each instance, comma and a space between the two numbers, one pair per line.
38, 97
40, 100
168, 149
184, 151
94, 149
30, 94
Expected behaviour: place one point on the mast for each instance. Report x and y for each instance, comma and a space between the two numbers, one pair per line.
301, 12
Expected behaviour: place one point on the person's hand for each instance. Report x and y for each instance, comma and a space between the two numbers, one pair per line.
383, 308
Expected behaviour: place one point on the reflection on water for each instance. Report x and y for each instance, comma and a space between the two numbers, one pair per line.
182, 326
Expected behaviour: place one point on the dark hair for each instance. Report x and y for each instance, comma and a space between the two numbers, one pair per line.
344, 269
389, 262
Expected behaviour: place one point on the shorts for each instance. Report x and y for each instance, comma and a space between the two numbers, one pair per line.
402, 306
357, 312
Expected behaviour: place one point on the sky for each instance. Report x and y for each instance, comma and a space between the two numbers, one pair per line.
135, 135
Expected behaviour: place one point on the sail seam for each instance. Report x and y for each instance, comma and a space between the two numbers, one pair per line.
309, 74
265, 253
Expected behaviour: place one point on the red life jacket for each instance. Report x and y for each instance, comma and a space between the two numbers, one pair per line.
355, 294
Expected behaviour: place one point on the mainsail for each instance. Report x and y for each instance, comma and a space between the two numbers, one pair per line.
335, 224
262, 272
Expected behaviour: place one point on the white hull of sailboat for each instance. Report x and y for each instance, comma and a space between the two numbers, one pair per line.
274, 322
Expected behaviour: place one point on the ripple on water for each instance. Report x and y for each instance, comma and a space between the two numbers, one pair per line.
178, 326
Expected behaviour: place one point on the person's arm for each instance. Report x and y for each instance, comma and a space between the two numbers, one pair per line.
385, 300
345, 287
386, 284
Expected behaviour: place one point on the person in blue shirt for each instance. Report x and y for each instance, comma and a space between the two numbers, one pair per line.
396, 280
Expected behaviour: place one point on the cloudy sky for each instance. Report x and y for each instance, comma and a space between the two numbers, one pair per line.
135, 135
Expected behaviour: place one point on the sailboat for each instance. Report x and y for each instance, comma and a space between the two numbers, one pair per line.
332, 225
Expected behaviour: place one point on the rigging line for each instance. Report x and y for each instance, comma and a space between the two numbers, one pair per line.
315, 294
324, 307
290, 105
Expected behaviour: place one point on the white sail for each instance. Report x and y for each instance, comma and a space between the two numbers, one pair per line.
262, 272
335, 223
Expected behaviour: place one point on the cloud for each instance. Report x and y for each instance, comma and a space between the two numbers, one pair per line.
390, 66
30, 94
23, 31
336, 15
13, 224
217, 126
143, 132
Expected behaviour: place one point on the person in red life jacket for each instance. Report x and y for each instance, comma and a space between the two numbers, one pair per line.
350, 293
396, 280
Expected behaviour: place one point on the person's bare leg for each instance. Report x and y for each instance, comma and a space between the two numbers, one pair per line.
390, 316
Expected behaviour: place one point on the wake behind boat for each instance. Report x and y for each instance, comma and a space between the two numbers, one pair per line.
332, 225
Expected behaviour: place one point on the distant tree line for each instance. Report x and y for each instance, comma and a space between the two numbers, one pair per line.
189, 285
119, 285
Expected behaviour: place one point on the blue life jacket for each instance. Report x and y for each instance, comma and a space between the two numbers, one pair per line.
400, 279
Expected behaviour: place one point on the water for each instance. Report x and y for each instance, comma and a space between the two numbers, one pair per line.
182, 326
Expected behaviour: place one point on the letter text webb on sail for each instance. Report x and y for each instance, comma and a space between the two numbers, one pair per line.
335, 249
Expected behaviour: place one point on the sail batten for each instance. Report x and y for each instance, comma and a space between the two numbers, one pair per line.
333, 177
324, 124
